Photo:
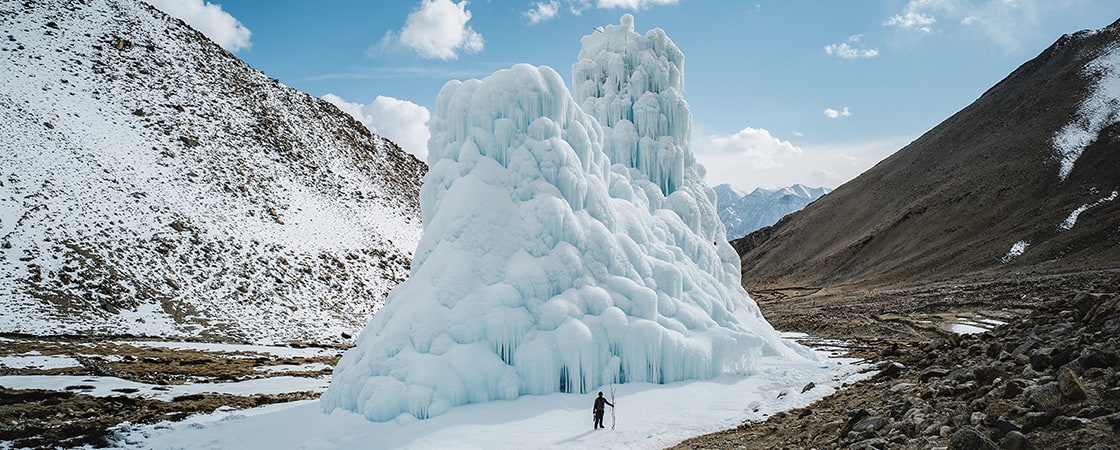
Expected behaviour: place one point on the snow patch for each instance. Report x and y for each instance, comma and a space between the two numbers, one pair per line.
282, 368
1100, 109
112, 386
31, 361
969, 325
1071, 220
1016, 249
966, 328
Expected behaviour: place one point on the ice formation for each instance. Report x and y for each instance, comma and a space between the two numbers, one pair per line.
562, 250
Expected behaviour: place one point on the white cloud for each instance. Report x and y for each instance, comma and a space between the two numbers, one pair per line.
821, 165
1007, 23
210, 20
848, 51
542, 12
913, 20
401, 121
834, 114
633, 4
754, 146
438, 29
577, 7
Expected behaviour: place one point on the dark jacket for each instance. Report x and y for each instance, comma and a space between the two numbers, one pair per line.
599, 402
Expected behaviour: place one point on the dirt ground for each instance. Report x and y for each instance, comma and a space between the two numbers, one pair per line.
919, 313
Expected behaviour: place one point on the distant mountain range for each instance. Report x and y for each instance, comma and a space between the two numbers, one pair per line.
742, 213
1022, 182
153, 184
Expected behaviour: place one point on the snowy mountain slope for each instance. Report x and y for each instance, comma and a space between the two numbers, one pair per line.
152, 183
1021, 181
742, 213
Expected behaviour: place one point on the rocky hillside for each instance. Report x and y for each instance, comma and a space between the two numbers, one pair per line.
151, 183
1022, 181
1047, 380
742, 213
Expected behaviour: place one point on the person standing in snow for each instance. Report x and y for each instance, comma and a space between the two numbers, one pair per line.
600, 403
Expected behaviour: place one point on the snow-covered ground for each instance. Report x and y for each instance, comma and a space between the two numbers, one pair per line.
647, 416
111, 386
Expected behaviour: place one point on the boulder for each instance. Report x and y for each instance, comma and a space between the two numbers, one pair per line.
1014, 440
1069, 423
1024, 348
1046, 397
985, 375
1014, 387
968, 438
1070, 384
1003, 427
1034, 420
933, 372
870, 444
870, 423
890, 370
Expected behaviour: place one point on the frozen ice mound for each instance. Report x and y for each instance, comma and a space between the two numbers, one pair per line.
548, 266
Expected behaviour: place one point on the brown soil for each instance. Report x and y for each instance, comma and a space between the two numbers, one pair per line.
50, 419
151, 364
917, 313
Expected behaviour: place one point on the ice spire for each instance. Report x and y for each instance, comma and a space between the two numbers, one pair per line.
543, 267
632, 85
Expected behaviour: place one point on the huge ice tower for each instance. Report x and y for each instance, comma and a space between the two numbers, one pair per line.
566, 245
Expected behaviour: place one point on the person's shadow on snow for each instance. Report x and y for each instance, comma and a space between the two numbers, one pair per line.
576, 438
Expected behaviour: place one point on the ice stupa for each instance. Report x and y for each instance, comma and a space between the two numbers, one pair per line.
566, 245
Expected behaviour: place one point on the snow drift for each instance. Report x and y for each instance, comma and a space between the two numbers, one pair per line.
562, 250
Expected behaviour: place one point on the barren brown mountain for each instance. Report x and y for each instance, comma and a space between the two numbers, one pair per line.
951, 205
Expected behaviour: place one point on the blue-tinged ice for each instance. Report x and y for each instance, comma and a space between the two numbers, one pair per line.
566, 245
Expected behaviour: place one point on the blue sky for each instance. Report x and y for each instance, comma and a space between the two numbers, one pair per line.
782, 92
